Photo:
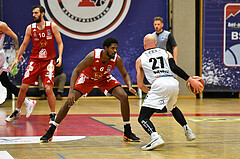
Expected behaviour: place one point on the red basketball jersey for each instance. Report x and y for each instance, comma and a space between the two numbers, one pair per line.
97, 70
43, 42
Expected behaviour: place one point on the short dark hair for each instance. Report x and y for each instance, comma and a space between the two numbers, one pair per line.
41, 8
158, 18
107, 42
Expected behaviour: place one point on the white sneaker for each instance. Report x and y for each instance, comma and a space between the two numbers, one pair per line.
29, 107
158, 142
190, 135
13, 116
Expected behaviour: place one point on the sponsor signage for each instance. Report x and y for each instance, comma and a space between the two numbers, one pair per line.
231, 42
86, 19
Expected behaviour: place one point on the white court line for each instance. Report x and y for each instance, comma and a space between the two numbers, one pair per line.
36, 139
5, 155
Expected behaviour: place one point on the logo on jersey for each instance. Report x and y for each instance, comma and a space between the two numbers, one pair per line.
35, 34
98, 75
109, 68
86, 19
43, 43
42, 53
48, 32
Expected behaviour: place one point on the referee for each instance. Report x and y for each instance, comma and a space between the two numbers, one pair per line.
165, 39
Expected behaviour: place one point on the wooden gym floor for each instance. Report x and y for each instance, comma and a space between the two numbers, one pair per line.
93, 129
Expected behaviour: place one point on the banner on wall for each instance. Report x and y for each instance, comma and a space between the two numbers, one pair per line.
221, 46
84, 24
86, 19
231, 41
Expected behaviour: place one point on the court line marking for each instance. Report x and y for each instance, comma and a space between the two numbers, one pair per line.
12, 121
61, 156
5, 155
105, 124
35, 139
162, 114
197, 123
190, 121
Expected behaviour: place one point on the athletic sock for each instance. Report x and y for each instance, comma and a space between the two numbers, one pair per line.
127, 127
154, 135
19, 110
186, 127
55, 124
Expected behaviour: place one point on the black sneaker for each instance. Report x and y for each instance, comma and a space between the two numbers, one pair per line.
13, 116
130, 137
52, 118
49, 135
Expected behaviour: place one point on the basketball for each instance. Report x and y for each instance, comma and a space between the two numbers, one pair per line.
190, 88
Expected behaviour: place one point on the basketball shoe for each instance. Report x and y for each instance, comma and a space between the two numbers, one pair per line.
30, 104
52, 118
157, 142
189, 135
49, 135
13, 116
130, 137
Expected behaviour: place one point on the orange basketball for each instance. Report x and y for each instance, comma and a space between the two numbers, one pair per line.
190, 88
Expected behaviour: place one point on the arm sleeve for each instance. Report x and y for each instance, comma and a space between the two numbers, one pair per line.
177, 70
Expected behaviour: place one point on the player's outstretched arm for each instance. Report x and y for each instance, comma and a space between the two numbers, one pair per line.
7, 30
24, 45
88, 60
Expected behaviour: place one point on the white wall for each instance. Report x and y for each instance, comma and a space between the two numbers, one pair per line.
184, 34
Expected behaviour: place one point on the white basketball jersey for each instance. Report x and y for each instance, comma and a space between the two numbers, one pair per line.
2, 36
3, 64
155, 64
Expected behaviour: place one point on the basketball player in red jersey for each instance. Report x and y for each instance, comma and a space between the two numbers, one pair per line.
41, 63
95, 70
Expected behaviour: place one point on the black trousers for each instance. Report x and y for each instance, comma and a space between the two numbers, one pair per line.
8, 84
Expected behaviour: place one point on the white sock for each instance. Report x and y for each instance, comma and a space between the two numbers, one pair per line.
19, 110
126, 122
53, 113
55, 124
186, 127
154, 135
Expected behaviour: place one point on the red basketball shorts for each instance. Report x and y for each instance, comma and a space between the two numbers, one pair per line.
84, 84
45, 69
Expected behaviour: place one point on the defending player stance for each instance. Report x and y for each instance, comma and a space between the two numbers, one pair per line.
95, 70
158, 66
